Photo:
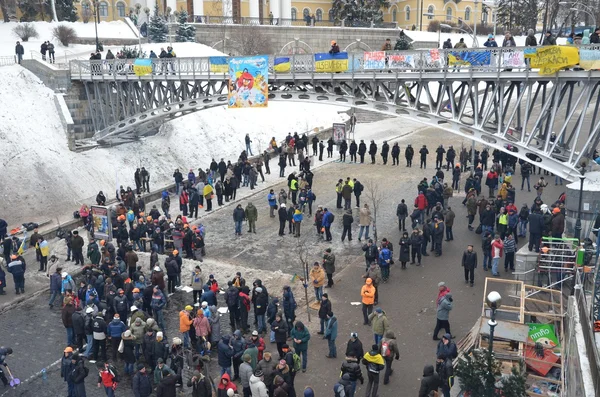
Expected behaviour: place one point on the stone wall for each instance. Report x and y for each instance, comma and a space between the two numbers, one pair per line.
318, 38
58, 80
78, 105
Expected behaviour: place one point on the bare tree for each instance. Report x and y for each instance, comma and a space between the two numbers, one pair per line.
251, 40
376, 197
302, 251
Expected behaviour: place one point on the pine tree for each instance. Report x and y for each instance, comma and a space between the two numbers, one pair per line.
66, 11
362, 11
157, 29
185, 31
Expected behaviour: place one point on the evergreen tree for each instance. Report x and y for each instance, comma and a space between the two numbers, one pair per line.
158, 29
65, 11
477, 380
356, 12
185, 31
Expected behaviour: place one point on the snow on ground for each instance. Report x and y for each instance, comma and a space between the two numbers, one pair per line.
41, 178
455, 37
115, 29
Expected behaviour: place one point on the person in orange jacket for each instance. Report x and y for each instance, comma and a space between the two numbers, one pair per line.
367, 292
185, 323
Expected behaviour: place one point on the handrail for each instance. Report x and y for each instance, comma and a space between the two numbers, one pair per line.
482, 60
287, 22
7, 60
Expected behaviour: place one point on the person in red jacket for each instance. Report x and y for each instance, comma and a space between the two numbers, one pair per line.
224, 385
421, 201
107, 378
497, 250
184, 200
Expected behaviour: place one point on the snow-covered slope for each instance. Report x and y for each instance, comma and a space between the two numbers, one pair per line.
42, 179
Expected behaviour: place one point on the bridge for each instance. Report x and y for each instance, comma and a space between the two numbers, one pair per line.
551, 120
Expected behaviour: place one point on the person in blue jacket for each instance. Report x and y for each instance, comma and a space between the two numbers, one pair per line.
272, 199
327, 221
385, 259
297, 221
491, 42
115, 329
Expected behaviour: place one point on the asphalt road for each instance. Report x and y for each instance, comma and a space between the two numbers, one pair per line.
38, 337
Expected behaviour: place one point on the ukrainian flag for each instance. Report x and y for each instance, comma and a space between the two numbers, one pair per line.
282, 65
23, 246
142, 67
331, 63
219, 65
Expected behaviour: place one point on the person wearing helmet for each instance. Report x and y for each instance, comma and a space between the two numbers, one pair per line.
185, 322
335, 49
66, 367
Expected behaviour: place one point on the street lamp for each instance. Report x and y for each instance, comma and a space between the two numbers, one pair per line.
587, 12
494, 13
445, 26
494, 301
475, 42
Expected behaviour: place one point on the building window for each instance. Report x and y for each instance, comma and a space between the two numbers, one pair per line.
394, 15
484, 16
319, 14
331, 15
305, 12
467, 14
448, 14
103, 9
407, 12
294, 14
430, 11
121, 10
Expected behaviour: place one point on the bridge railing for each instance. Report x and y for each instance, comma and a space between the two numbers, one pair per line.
434, 60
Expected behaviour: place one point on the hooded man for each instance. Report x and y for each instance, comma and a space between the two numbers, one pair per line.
389, 350
375, 364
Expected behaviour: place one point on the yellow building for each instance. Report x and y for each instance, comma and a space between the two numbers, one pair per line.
406, 13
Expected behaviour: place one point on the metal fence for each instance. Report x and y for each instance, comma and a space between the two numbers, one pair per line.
455, 60
7, 60
286, 22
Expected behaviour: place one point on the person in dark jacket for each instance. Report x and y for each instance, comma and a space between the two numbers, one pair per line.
141, 383
279, 326
78, 322
200, 385
429, 382
536, 228
347, 221
78, 374
168, 385
225, 354
373, 151
424, 152
362, 149
469, 263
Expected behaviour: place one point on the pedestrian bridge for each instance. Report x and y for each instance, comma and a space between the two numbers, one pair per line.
490, 96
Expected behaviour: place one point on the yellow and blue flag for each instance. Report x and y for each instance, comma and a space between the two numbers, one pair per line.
282, 65
23, 246
331, 63
219, 64
142, 67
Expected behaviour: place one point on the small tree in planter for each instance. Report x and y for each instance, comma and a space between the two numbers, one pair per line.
476, 380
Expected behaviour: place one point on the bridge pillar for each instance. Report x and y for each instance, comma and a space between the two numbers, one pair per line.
78, 105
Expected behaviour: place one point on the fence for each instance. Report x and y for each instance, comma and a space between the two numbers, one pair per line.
284, 22
7, 61
435, 60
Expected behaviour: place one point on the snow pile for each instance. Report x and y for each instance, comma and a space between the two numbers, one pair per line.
41, 178
455, 38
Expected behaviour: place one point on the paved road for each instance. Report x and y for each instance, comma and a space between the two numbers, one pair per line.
38, 337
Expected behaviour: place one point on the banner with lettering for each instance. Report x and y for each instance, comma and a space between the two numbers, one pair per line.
469, 58
543, 334
551, 59
589, 59
433, 59
374, 60
401, 61
331, 63
249, 82
513, 58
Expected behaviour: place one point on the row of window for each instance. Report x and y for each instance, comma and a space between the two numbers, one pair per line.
103, 8
431, 10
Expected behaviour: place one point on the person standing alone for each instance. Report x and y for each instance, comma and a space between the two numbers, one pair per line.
469, 263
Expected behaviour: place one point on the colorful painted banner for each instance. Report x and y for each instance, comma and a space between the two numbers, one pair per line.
249, 82
101, 223
469, 58
551, 59
399, 61
282, 65
374, 60
218, 64
589, 59
339, 133
513, 58
331, 63
142, 67
544, 334
433, 59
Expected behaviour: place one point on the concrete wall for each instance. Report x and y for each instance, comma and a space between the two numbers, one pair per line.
58, 80
78, 105
66, 119
591, 201
319, 38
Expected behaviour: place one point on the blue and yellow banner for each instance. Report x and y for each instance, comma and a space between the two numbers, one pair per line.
331, 63
249, 82
469, 58
551, 59
589, 59
142, 67
218, 64
282, 65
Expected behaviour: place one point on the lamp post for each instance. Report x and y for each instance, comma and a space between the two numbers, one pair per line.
96, 20
445, 26
578, 221
494, 301
494, 13
587, 12
475, 42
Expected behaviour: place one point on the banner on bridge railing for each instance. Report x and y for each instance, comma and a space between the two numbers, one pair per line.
512, 58
398, 61
589, 59
218, 64
374, 60
142, 67
469, 58
249, 82
553, 58
331, 63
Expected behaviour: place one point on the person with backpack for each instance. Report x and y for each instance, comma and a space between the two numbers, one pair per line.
375, 364
389, 350
232, 298
107, 378
445, 371
301, 336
